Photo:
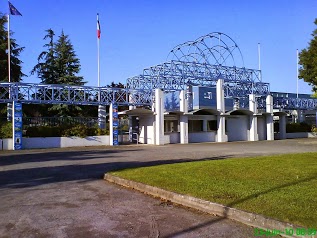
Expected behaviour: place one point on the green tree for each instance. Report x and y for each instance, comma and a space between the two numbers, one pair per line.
66, 62
46, 66
308, 62
58, 64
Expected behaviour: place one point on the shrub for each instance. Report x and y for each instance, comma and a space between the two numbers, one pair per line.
65, 130
298, 127
314, 129
44, 131
6, 130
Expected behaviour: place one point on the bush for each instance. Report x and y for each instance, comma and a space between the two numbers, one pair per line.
298, 127
314, 129
6, 130
65, 130
44, 131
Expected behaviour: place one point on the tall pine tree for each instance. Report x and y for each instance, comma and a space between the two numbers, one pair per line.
58, 64
45, 68
66, 62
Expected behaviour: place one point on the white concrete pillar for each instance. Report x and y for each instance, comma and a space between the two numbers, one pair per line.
253, 119
183, 119
221, 132
269, 118
301, 115
159, 117
111, 124
131, 107
282, 126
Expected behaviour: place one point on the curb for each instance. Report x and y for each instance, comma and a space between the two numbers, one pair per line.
248, 218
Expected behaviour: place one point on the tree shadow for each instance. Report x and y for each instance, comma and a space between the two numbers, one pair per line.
43, 156
46, 173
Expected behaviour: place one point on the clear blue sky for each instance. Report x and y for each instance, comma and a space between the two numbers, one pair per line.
139, 34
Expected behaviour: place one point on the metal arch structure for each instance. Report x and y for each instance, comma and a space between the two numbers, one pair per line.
201, 63
68, 94
194, 63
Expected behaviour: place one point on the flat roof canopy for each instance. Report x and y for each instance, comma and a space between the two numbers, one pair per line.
137, 112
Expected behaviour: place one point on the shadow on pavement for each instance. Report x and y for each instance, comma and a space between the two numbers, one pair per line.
44, 173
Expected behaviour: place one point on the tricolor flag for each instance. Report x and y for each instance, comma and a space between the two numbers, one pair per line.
13, 10
98, 27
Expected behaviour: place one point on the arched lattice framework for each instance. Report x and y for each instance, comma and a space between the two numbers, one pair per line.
202, 62
213, 49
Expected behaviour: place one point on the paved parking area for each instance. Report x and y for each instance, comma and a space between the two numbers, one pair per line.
61, 193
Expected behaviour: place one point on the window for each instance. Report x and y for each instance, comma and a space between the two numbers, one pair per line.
171, 126
212, 125
195, 125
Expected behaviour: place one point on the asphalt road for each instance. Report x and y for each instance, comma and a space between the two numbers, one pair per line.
61, 193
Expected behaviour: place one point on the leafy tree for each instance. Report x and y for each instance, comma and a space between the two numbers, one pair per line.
308, 61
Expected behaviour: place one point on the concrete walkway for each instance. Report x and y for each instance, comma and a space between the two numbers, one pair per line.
61, 193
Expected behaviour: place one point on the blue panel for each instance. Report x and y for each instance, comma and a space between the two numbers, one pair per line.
17, 123
115, 124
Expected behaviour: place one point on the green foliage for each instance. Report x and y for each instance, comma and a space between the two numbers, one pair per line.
65, 130
6, 130
16, 68
44, 131
314, 129
280, 186
79, 130
308, 61
298, 127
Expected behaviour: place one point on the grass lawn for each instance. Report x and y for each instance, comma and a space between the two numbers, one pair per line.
283, 187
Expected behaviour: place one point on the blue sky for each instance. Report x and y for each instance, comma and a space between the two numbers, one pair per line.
139, 34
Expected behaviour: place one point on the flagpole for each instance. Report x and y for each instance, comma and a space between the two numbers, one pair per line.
297, 74
259, 55
9, 50
98, 46
98, 49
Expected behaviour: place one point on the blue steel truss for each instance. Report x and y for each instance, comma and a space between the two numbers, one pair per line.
69, 94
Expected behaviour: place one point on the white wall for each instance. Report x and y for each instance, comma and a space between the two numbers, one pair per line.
58, 142
262, 128
6, 144
237, 128
146, 130
197, 137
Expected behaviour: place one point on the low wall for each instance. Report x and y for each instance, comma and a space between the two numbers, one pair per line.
6, 144
296, 135
197, 137
58, 142
174, 137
